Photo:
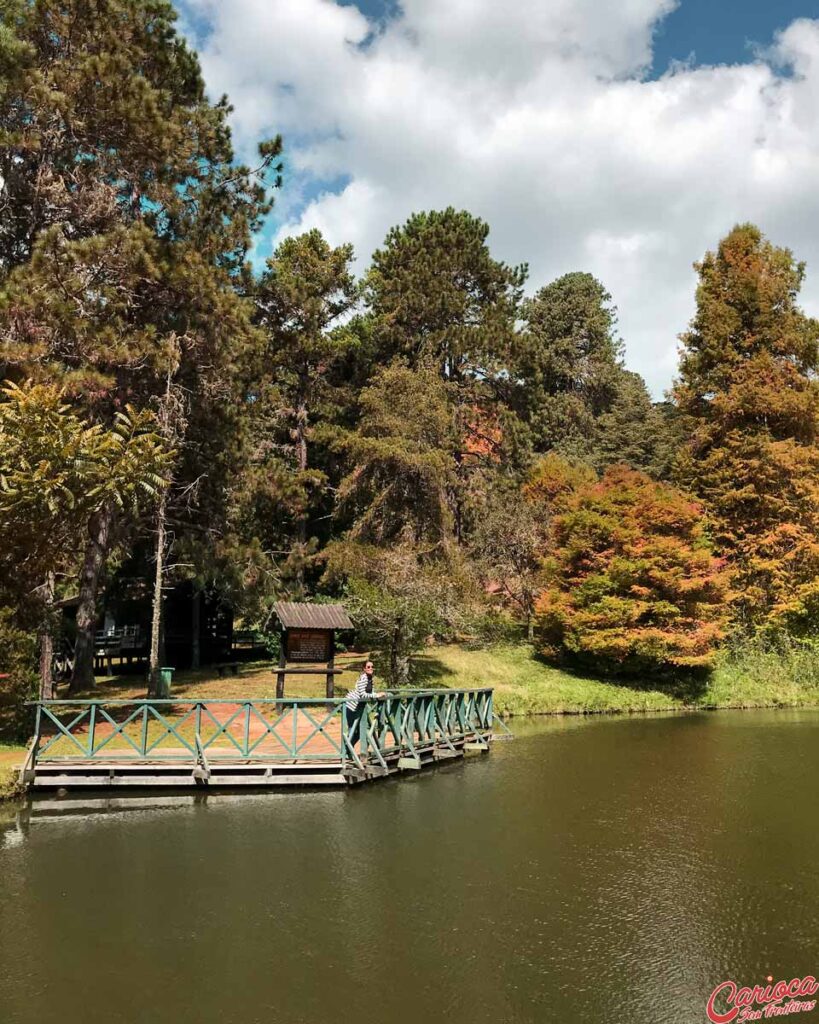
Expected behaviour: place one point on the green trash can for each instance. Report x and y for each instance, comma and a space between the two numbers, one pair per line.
165, 680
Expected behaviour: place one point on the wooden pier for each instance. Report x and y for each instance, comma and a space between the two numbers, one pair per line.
263, 743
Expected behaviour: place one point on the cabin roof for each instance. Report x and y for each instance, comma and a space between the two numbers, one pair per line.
293, 615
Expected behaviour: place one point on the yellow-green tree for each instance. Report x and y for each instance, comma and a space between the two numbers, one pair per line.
59, 474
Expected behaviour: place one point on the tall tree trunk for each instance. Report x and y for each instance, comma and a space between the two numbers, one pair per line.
395, 656
529, 612
301, 456
156, 618
100, 528
47, 641
456, 495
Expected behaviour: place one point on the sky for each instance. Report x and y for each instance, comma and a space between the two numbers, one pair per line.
622, 138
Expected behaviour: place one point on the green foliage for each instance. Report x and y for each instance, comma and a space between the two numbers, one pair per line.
403, 473
437, 296
634, 430
488, 626
506, 546
103, 119
749, 399
632, 585
300, 300
125, 225
56, 470
566, 366
394, 601
440, 302
437, 448
17, 665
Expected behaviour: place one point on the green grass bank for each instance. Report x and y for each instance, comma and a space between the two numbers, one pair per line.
526, 685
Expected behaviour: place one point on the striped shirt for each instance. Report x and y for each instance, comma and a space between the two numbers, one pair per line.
363, 690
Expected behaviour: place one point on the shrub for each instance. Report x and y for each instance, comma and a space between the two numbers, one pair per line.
17, 665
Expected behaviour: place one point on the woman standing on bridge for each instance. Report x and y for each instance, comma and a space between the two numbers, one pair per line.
354, 703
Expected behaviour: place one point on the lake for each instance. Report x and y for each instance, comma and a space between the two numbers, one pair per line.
593, 870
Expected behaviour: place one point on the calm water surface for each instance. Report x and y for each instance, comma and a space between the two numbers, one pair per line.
593, 870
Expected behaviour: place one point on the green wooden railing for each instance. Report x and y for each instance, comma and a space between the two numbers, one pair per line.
405, 723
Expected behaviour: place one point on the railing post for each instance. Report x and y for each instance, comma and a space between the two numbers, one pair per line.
37, 723
412, 708
343, 733
392, 713
92, 723
363, 729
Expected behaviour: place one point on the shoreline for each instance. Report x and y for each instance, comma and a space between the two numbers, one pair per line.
685, 710
11, 791
524, 684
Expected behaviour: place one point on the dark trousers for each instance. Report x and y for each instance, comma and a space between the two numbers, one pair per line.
353, 723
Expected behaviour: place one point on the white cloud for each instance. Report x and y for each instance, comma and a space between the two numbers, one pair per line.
535, 116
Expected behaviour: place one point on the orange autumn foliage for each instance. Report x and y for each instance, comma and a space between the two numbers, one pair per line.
750, 398
631, 582
482, 434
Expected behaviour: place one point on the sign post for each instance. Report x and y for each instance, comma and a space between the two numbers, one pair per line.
308, 635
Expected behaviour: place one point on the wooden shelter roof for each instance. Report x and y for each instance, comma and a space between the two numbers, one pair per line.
294, 615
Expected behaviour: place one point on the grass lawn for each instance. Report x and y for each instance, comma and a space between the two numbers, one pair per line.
525, 684
255, 679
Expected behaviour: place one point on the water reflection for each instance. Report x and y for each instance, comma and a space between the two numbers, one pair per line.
593, 870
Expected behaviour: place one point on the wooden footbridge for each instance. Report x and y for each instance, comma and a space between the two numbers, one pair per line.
264, 743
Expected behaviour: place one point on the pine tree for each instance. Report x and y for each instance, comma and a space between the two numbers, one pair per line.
749, 398
634, 430
567, 364
403, 471
437, 297
104, 120
301, 302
